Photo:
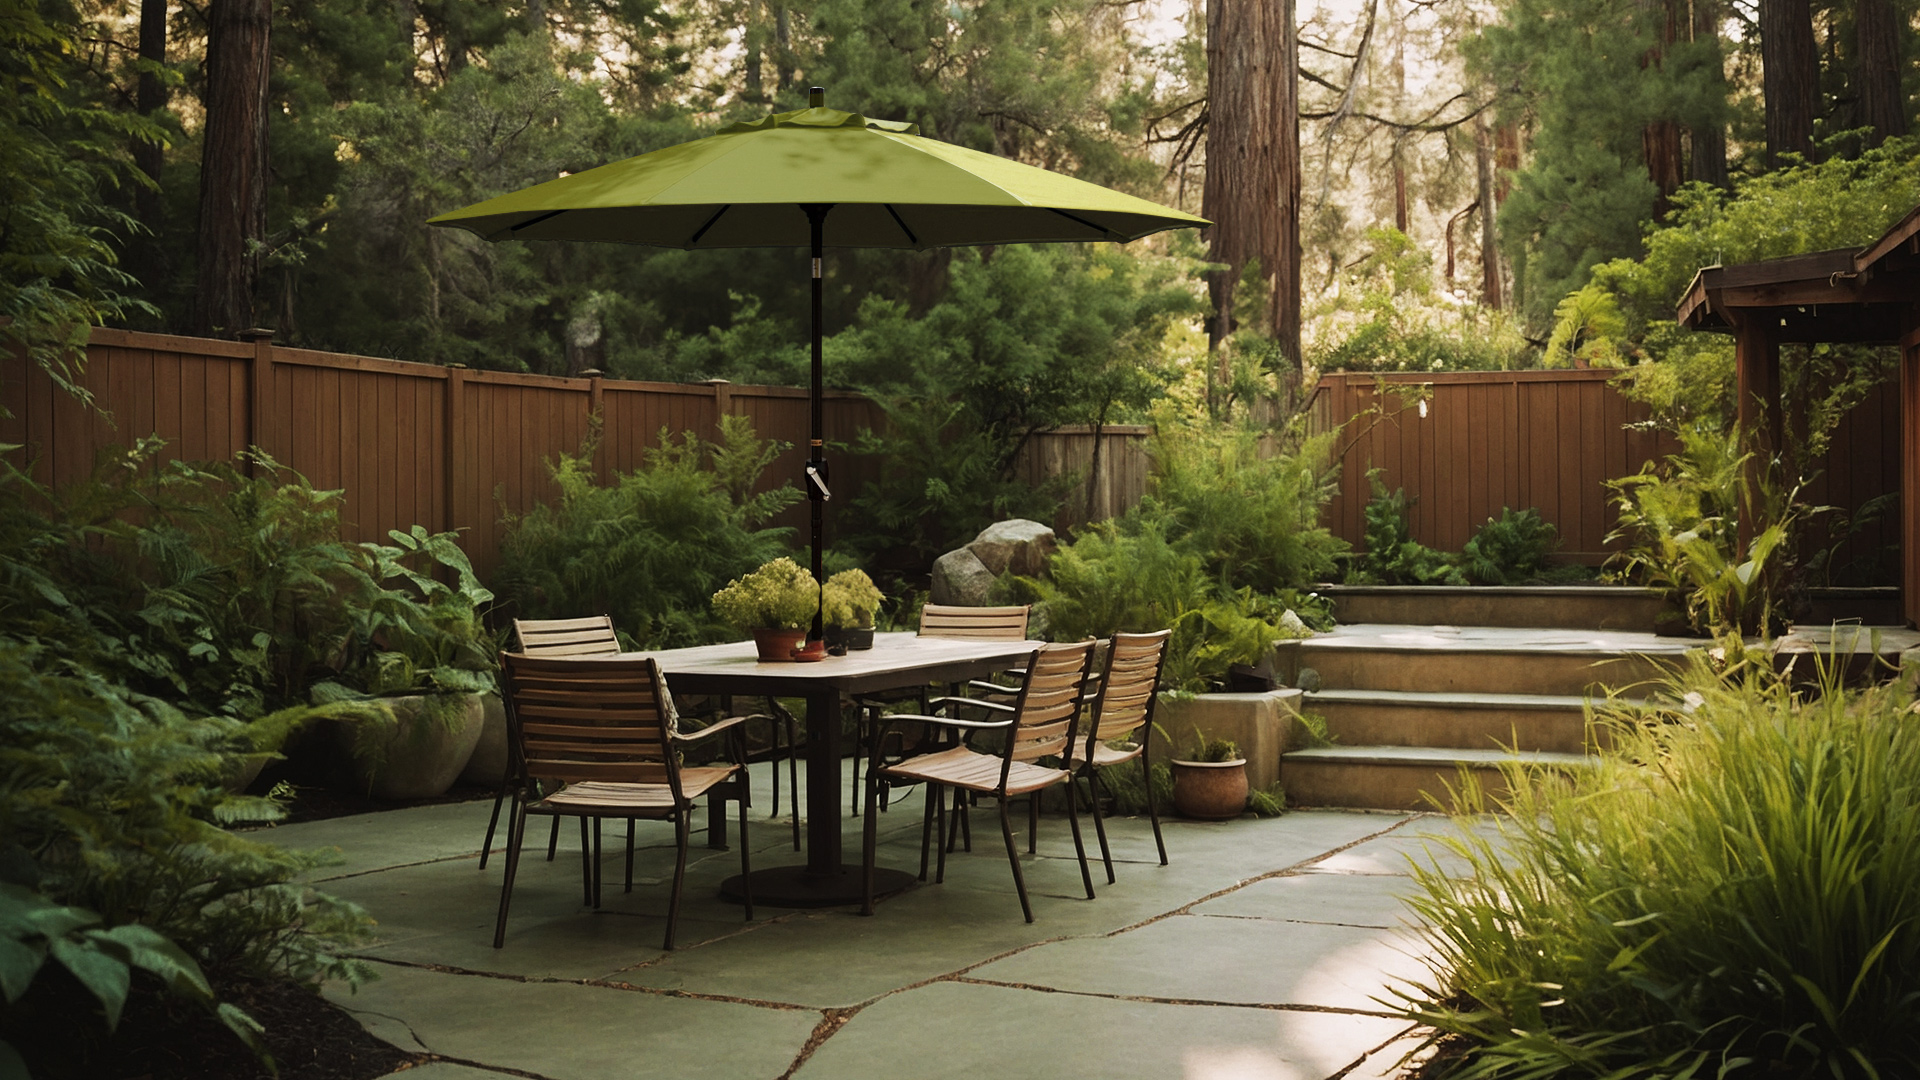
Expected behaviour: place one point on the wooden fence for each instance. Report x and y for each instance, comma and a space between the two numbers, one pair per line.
409, 443
1548, 440
451, 448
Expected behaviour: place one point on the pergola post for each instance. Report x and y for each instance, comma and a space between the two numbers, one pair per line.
1756, 364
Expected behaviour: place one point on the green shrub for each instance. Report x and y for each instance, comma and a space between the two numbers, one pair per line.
782, 594
1110, 580
1393, 557
1734, 892
1249, 509
1680, 521
1512, 549
652, 547
850, 600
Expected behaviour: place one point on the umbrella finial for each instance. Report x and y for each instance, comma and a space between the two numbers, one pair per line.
816, 97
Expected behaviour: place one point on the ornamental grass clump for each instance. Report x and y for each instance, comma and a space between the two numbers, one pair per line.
1733, 891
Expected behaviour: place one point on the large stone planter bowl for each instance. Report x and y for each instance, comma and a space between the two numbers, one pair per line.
1210, 790
489, 761
421, 755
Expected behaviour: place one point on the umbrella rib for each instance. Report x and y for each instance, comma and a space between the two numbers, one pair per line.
702, 231
543, 217
912, 239
1105, 232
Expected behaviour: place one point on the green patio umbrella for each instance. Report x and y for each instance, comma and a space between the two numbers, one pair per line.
817, 178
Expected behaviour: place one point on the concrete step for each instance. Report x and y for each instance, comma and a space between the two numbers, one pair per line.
1482, 660
1569, 607
1551, 722
1400, 777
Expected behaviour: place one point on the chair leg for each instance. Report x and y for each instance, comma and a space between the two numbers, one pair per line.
486, 846
1094, 785
553, 839
1079, 847
1153, 812
586, 861
926, 824
679, 874
869, 840
862, 725
940, 817
629, 887
1013, 859
598, 855
516, 826
746, 863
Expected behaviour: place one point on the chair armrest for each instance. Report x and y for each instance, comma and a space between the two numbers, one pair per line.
993, 688
716, 726
978, 703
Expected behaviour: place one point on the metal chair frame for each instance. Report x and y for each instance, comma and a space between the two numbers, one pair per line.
1040, 724
597, 739
1121, 711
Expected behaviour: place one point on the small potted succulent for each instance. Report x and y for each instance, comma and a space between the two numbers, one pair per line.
776, 603
1210, 780
847, 606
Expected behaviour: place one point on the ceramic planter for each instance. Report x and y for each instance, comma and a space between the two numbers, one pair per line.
852, 637
1210, 790
775, 644
421, 754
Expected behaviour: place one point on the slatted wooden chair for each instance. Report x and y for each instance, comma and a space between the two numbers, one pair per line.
598, 739
1120, 721
1039, 725
947, 621
593, 636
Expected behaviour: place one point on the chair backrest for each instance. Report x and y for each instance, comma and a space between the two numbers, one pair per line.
558, 638
1124, 702
1049, 701
983, 623
575, 720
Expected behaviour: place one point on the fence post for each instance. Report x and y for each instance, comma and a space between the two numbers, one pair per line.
722, 403
259, 390
456, 466
596, 400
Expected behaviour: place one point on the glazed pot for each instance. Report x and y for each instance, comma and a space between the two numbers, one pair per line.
852, 637
1210, 790
777, 644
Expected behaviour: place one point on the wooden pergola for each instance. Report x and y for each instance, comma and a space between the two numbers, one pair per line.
1869, 296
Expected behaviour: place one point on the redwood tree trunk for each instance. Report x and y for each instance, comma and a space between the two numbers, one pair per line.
1492, 285
149, 254
1252, 192
1790, 83
233, 165
1709, 140
1882, 106
1660, 140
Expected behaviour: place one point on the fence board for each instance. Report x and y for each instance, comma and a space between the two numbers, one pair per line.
1550, 440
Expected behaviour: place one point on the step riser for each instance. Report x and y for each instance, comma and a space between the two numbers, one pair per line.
1476, 672
1601, 611
1366, 724
1380, 787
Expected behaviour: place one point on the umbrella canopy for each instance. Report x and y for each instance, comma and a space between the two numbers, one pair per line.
817, 178
889, 188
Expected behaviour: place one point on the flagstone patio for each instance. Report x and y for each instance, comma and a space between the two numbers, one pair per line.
1268, 949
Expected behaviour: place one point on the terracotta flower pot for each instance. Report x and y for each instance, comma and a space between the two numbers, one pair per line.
775, 644
1210, 790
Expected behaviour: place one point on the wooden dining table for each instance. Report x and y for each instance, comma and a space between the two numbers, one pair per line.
897, 660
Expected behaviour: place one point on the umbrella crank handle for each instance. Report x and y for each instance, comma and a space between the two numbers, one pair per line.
817, 482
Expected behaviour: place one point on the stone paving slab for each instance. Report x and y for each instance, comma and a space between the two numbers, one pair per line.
966, 1032
1332, 898
1226, 960
567, 1031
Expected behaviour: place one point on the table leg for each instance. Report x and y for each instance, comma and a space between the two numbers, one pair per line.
824, 880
